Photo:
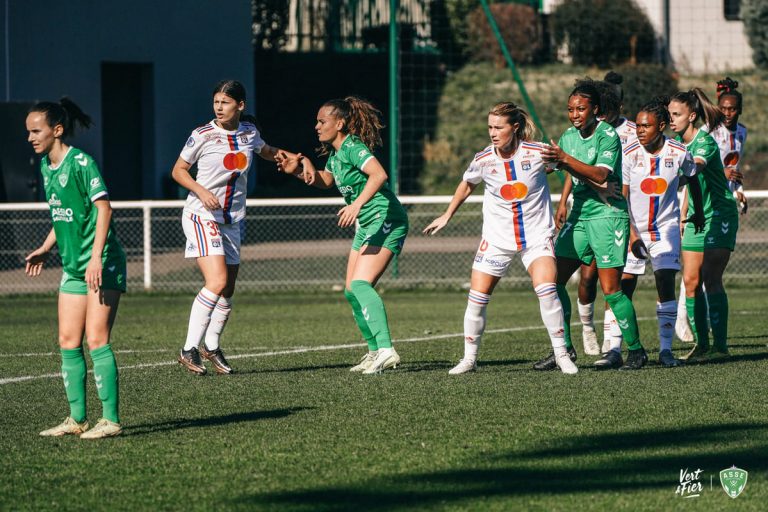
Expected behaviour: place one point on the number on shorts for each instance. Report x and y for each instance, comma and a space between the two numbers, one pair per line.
213, 228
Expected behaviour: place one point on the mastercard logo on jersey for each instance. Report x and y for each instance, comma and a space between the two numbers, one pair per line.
234, 161
731, 159
515, 191
653, 186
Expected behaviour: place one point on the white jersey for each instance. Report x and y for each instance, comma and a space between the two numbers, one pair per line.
652, 181
627, 132
223, 159
517, 209
731, 144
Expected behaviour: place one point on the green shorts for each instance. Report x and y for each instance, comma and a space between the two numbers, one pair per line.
604, 240
718, 233
387, 233
113, 277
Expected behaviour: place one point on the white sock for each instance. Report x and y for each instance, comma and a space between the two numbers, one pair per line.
552, 314
474, 323
200, 317
219, 319
612, 330
587, 314
682, 314
666, 314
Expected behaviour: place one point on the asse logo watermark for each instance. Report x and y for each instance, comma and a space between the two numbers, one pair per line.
690, 485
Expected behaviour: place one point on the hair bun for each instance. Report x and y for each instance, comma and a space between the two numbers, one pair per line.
613, 78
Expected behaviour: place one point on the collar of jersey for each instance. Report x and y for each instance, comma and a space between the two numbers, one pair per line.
52, 168
222, 130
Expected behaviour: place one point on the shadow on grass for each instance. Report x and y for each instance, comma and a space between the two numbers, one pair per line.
210, 421
614, 463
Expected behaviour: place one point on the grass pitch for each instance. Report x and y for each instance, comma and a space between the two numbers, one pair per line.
295, 430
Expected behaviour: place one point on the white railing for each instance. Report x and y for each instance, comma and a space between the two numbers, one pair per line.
296, 243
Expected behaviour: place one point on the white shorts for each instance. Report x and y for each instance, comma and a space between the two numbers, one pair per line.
495, 261
209, 238
663, 253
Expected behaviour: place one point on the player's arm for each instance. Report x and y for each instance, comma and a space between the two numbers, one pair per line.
39, 256
377, 177
463, 191
181, 175
555, 154
694, 187
562, 208
103, 218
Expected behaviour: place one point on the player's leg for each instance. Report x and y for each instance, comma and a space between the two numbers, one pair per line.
231, 235
72, 308
666, 313
695, 302
682, 327
586, 305
565, 267
100, 317
542, 267
482, 284
713, 267
371, 263
357, 313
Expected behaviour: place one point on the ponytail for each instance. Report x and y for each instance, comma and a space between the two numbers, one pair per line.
361, 118
698, 102
65, 113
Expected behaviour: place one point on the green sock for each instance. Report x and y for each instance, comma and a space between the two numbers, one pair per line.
625, 315
718, 318
696, 308
565, 300
372, 310
105, 374
357, 313
73, 370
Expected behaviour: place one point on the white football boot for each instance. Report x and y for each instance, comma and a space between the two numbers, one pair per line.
464, 366
385, 358
365, 362
589, 337
563, 360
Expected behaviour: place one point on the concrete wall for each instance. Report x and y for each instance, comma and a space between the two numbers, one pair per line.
56, 48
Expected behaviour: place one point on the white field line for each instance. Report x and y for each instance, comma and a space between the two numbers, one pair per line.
122, 351
299, 350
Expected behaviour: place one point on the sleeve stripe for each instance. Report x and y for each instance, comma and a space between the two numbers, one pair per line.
99, 195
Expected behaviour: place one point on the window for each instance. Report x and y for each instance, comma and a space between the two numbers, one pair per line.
731, 9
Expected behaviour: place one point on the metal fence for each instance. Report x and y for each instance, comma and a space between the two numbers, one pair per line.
295, 243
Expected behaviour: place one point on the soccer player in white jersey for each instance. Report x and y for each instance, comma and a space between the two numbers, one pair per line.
214, 217
651, 168
517, 219
611, 98
730, 137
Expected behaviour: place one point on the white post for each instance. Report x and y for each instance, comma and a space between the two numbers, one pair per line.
147, 210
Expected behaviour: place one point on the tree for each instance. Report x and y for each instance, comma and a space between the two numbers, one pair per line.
755, 16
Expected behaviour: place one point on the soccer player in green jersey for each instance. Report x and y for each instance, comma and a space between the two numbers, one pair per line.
598, 225
348, 129
706, 254
93, 262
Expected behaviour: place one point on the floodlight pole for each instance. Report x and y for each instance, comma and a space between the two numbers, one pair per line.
394, 99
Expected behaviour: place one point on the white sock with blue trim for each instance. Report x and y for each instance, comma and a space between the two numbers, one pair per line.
200, 317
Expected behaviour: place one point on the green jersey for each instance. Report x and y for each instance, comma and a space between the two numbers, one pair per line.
71, 188
346, 166
718, 198
603, 149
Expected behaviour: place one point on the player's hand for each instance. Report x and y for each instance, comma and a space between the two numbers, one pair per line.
611, 191
698, 221
437, 224
287, 163
93, 273
560, 215
348, 215
35, 261
552, 153
308, 173
639, 249
209, 200
743, 204
733, 174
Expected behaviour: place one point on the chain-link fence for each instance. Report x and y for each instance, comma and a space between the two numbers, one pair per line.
297, 244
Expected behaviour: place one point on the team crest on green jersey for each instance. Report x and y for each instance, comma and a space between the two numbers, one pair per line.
63, 179
733, 480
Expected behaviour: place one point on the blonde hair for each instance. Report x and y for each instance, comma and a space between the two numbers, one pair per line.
514, 114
